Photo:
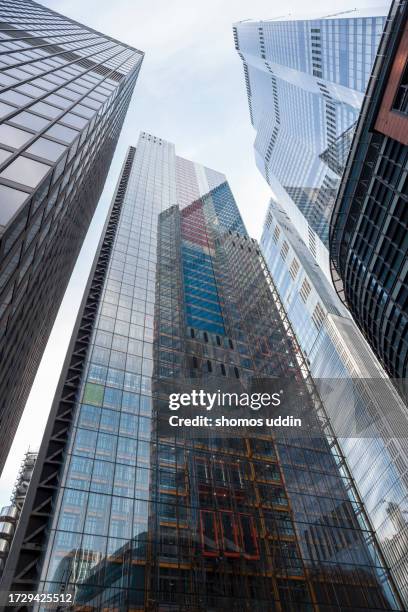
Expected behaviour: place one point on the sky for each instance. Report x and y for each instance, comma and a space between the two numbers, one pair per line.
190, 91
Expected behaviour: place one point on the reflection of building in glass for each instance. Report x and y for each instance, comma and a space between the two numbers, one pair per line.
305, 82
335, 349
398, 544
369, 233
10, 515
179, 291
64, 92
94, 579
335, 156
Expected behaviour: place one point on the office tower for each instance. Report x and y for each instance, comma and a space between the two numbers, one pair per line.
305, 82
121, 514
335, 350
368, 242
64, 92
10, 515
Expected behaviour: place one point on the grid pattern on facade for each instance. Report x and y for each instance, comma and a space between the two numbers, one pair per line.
303, 119
134, 521
223, 548
38, 507
64, 93
375, 275
369, 225
337, 352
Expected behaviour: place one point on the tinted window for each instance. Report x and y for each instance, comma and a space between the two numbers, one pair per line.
10, 202
25, 171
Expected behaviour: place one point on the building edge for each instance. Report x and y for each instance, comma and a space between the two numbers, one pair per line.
24, 555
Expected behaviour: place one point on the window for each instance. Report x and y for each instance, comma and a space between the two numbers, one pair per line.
93, 394
84, 111
312, 241
305, 290
31, 90
249, 541
318, 315
209, 541
284, 250
13, 137
29, 120
15, 98
47, 149
229, 533
97, 373
5, 109
74, 120
112, 398
294, 268
62, 133
401, 98
25, 171
46, 109
58, 101
4, 155
10, 202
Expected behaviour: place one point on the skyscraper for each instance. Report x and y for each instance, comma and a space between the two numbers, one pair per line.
64, 93
339, 357
369, 225
121, 514
305, 82
10, 514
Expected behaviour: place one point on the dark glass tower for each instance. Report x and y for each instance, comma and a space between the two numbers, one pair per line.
369, 226
64, 93
122, 515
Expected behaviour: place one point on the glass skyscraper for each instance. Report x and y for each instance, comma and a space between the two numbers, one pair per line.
120, 514
338, 355
64, 93
305, 81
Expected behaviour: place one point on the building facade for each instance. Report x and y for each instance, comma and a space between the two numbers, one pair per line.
10, 515
338, 356
137, 519
368, 240
64, 93
305, 82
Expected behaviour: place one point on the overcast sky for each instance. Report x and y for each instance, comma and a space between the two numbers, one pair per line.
191, 92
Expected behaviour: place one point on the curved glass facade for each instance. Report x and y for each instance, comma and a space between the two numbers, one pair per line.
368, 242
335, 350
305, 83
